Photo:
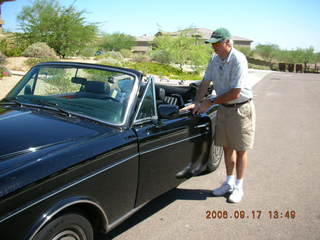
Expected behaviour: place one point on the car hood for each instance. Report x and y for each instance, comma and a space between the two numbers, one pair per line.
36, 143
27, 129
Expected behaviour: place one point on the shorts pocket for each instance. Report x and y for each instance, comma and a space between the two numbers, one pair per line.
244, 111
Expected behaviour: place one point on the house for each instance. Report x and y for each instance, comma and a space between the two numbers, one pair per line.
144, 43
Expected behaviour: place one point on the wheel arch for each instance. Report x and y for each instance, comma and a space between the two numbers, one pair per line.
82, 205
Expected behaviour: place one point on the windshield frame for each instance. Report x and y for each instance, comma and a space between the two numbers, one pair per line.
131, 100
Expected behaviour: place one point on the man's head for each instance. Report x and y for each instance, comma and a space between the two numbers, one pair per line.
219, 35
221, 41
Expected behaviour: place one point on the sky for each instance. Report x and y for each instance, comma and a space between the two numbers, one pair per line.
291, 24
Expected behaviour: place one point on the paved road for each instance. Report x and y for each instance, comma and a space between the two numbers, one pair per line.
283, 175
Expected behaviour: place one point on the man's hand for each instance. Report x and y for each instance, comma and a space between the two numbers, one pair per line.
197, 108
202, 107
188, 108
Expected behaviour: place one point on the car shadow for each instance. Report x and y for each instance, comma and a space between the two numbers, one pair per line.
157, 204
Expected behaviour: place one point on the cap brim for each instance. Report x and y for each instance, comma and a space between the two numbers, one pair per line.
213, 40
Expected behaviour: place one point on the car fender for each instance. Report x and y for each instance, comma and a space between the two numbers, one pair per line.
80, 203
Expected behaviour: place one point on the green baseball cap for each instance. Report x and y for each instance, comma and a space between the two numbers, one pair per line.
219, 35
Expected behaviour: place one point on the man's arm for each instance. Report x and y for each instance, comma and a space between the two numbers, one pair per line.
201, 92
226, 97
203, 89
234, 93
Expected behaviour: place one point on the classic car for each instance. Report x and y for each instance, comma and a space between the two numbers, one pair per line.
84, 146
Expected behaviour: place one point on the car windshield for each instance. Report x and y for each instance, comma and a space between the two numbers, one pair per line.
98, 93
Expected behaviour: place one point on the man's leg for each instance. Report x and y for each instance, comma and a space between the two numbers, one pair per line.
230, 162
241, 165
242, 162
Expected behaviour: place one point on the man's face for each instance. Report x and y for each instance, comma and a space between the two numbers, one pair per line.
220, 48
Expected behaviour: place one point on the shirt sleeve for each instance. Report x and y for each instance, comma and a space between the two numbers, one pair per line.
239, 74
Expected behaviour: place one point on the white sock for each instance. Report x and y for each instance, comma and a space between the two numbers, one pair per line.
231, 179
239, 183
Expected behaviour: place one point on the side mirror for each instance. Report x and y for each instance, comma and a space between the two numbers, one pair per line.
168, 111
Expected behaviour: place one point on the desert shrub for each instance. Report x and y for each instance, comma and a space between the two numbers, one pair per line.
4, 72
88, 52
34, 61
141, 58
259, 67
245, 50
11, 47
2, 58
110, 54
161, 56
39, 50
115, 55
126, 53
162, 70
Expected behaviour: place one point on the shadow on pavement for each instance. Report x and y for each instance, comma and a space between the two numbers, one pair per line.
157, 204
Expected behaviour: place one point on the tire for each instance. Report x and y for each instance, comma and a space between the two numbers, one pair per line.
215, 157
71, 226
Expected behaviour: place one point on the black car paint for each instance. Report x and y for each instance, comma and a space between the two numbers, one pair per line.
50, 163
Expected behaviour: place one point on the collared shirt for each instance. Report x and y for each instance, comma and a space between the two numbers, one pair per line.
230, 73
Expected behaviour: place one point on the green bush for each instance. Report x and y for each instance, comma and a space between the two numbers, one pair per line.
161, 56
126, 53
259, 67
88, 52
245, 50
162, 70
2, 58
110, 54
11, 47
39, 50
141, 58
34, 61
4, 72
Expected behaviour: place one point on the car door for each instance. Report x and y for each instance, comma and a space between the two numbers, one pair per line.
166, 146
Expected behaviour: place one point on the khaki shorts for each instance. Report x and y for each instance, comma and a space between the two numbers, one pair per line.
235, 126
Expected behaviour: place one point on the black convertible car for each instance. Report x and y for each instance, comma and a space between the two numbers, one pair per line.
84, 146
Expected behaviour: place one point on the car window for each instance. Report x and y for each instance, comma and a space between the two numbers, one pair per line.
147, 107
101, 94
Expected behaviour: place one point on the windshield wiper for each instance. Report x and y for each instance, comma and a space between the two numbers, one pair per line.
11, 101
55, 106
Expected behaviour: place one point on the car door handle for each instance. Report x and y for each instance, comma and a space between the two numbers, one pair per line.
202, 125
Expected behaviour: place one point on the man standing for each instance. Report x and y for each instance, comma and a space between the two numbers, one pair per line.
235, 123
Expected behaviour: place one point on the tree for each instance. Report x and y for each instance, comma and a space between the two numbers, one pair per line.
116, 41
267, 51
63, 28
182, 50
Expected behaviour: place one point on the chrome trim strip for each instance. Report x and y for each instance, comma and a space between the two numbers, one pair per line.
155, 117
45, 197
140, 103
48, 217
173, 143
154, 98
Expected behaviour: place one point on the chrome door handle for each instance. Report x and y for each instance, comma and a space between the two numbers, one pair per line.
202, 125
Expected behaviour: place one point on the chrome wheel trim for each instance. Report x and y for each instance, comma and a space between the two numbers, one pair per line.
217, 152
71, 234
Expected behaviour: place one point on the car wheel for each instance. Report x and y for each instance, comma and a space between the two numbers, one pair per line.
215, 157
70, 226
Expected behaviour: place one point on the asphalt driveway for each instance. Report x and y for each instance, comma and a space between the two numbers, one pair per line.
282, 182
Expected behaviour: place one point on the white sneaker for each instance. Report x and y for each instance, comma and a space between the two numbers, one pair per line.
223, 189
236, 195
